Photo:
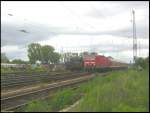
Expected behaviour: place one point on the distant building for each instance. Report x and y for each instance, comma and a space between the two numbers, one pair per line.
6, 65
65, 57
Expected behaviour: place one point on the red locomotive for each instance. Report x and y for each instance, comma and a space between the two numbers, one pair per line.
95, 62
100, 62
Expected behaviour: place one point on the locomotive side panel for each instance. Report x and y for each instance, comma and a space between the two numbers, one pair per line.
102, 61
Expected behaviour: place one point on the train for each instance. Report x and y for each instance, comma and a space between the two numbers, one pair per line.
94, 62
87, 62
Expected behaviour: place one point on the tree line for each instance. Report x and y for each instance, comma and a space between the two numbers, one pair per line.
45, 54
142, 62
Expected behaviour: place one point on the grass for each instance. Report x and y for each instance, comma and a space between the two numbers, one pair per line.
28, 69
121, 91
59, 100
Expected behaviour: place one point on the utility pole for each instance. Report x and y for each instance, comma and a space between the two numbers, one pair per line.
134, 38
90, 45
62, 55
139, 48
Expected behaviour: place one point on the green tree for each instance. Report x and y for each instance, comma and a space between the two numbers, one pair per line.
34, 52
47, 54
142, 62
147, 61
4, 58
55, 57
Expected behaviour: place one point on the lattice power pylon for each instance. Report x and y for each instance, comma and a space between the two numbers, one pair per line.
134, 38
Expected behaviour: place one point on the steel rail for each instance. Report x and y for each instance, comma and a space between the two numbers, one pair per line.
37, 80
13, 101
17, 82
25, 75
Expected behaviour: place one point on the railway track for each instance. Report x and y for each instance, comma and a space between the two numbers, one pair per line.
12, 102
24, 72
11, 76
10, 81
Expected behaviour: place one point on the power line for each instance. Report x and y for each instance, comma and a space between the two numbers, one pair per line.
86, 23
73, 12
69, 11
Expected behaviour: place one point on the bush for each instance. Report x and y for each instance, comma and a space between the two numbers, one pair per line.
121, 91
27, 69
144, 63
39, 68
61, 99
8, 70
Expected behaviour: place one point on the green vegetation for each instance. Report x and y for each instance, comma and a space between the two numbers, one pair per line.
38, 68
19, 61
120, 91
4, 58
31, 69
6, 70
27, 69
44, 54
58, 101
142, 62
34, 52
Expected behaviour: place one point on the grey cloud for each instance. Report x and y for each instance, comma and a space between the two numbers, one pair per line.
17, 55
11, 35
104, 48
103, 10
141, 32
21, 53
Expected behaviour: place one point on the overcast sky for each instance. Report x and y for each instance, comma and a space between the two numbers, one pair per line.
103, 27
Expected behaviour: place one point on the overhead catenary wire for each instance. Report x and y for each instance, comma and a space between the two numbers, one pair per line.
86, 23
83, 21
